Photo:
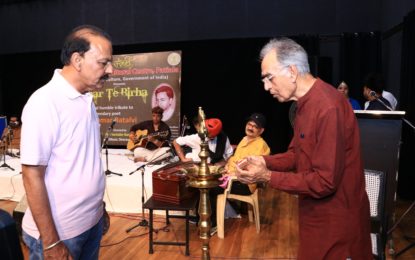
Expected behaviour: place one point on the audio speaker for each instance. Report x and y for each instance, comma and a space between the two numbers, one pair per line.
9, 239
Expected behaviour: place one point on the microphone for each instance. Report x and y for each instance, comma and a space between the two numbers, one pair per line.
159, 161
172, 150
186, 122
10, 132
154, 161
373, 94
106, 136
113, 123
141, 167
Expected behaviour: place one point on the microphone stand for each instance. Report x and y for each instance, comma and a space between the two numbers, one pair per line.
183, 126
5, 141
390, 109
383, 104
10, 139
154, 161
413, 203
105, 144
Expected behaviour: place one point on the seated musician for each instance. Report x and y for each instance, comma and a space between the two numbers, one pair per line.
11, 134
220, 148
15, 129
150, 139
251, 144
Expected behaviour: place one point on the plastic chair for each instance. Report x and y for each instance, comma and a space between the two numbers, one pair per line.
253, 209
375, 189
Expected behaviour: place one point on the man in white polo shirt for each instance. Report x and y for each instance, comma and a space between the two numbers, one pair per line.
62, 169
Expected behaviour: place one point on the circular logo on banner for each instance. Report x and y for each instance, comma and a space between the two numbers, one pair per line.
174, 59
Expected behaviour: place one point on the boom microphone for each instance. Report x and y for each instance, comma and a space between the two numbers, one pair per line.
186, 122
10, 132
373, 94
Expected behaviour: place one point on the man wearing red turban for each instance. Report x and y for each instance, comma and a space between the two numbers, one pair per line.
220, 148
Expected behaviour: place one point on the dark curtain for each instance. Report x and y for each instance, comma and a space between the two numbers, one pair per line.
406, 181
222, 76
310, 43
321, 67
360, 54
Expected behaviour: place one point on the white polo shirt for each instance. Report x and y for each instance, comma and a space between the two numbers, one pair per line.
60, 129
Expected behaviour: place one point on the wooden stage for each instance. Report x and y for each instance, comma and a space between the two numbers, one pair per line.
277, 239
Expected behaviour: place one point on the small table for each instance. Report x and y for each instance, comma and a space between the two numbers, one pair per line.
185, 205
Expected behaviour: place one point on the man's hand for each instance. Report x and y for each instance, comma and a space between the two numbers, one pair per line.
59, 251
186, 159
254, 170
37, 198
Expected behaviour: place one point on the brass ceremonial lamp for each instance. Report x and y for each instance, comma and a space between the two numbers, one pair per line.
203, 177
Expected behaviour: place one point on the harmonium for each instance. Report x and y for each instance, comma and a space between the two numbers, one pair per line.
169, 183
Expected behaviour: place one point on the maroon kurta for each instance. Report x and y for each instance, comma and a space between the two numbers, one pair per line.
323, 165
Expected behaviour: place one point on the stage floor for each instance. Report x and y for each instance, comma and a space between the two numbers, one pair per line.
122, 193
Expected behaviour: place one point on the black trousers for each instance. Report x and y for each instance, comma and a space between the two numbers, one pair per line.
237, 188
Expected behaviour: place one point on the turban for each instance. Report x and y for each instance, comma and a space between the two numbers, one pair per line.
214, 126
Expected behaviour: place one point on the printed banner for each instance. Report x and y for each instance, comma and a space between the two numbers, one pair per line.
139, 83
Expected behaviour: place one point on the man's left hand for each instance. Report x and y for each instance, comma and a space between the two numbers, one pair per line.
255, 170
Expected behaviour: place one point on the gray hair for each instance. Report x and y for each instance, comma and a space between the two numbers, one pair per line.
288, 53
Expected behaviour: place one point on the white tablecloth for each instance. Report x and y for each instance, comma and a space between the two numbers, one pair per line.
122, 193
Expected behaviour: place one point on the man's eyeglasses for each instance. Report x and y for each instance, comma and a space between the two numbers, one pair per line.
267, 78
253, 125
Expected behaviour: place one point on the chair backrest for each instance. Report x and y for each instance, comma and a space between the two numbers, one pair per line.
375, 189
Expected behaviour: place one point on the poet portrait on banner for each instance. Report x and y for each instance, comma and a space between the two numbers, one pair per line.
164, 97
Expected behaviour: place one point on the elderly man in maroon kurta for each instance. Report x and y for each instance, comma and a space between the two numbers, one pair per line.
323, 163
